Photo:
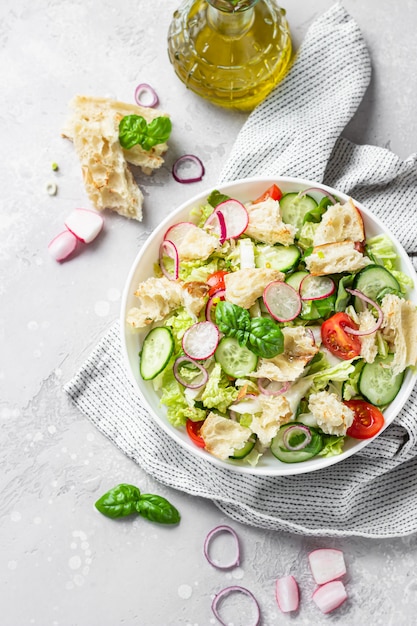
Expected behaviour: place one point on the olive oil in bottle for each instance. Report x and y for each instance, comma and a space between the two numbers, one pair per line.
230, 52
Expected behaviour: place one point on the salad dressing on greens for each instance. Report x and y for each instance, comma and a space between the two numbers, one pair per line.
277, 327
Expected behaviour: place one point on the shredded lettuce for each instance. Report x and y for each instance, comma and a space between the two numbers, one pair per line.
178, 322
218, 393
333, 445
178, 409
198, 270
307, 232
381, 250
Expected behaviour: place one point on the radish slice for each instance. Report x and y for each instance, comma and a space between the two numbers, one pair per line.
178, 232
287, 594
216, 223
282, 301
62, 245
212, 302
84, 224
316, 287
167, 248
330, 596
236, 589
200, 340
235, 216
207, 543
326, 564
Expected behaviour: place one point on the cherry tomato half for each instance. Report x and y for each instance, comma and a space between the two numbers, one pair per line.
273, 192
368, 419
337, 340
216, 282
193, 430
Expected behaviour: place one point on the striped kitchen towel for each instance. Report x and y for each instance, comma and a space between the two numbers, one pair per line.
296, 132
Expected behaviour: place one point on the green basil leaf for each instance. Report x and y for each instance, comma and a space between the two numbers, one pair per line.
315, 214
343, 296
119, 501
157, 509
265, 338
216, 198
133, 130
233, 321
158, 132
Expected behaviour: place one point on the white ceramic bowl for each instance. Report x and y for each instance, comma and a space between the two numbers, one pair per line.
142, 268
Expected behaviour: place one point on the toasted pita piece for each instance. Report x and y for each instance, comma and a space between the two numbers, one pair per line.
335, 258
399, 328
244, 287
341, 222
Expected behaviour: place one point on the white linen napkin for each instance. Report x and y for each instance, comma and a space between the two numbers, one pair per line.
295, 131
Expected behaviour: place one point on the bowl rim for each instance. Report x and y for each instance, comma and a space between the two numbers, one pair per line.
280, 469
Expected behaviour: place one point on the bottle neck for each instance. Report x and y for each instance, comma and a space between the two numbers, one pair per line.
231, 19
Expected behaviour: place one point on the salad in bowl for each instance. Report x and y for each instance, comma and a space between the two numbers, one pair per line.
270, 326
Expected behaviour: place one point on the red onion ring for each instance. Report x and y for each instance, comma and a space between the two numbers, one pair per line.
303, 444
323, 191
169, 249
145, 88
220, 294
370, 331
215, 531
183, 159
178, 377
235, 588
264, 384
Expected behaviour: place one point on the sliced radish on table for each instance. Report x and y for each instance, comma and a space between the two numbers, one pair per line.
282, 301
287, 594
326, 564
235, 216
330, 596
84, 224
62, 245
167, 248
200, 340
208, 542
316, 287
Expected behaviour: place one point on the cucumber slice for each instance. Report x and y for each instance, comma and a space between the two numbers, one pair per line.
371, 281
294, 208
282, 453
242, 452
157, 349
282, 258
235, 360
376, 382
294, 280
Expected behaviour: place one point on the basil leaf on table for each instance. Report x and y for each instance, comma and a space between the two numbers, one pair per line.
134, 129
119, 501
157, 509
126, 499
233, 321
265, 338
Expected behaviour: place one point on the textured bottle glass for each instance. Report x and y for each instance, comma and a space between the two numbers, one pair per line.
232, 58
